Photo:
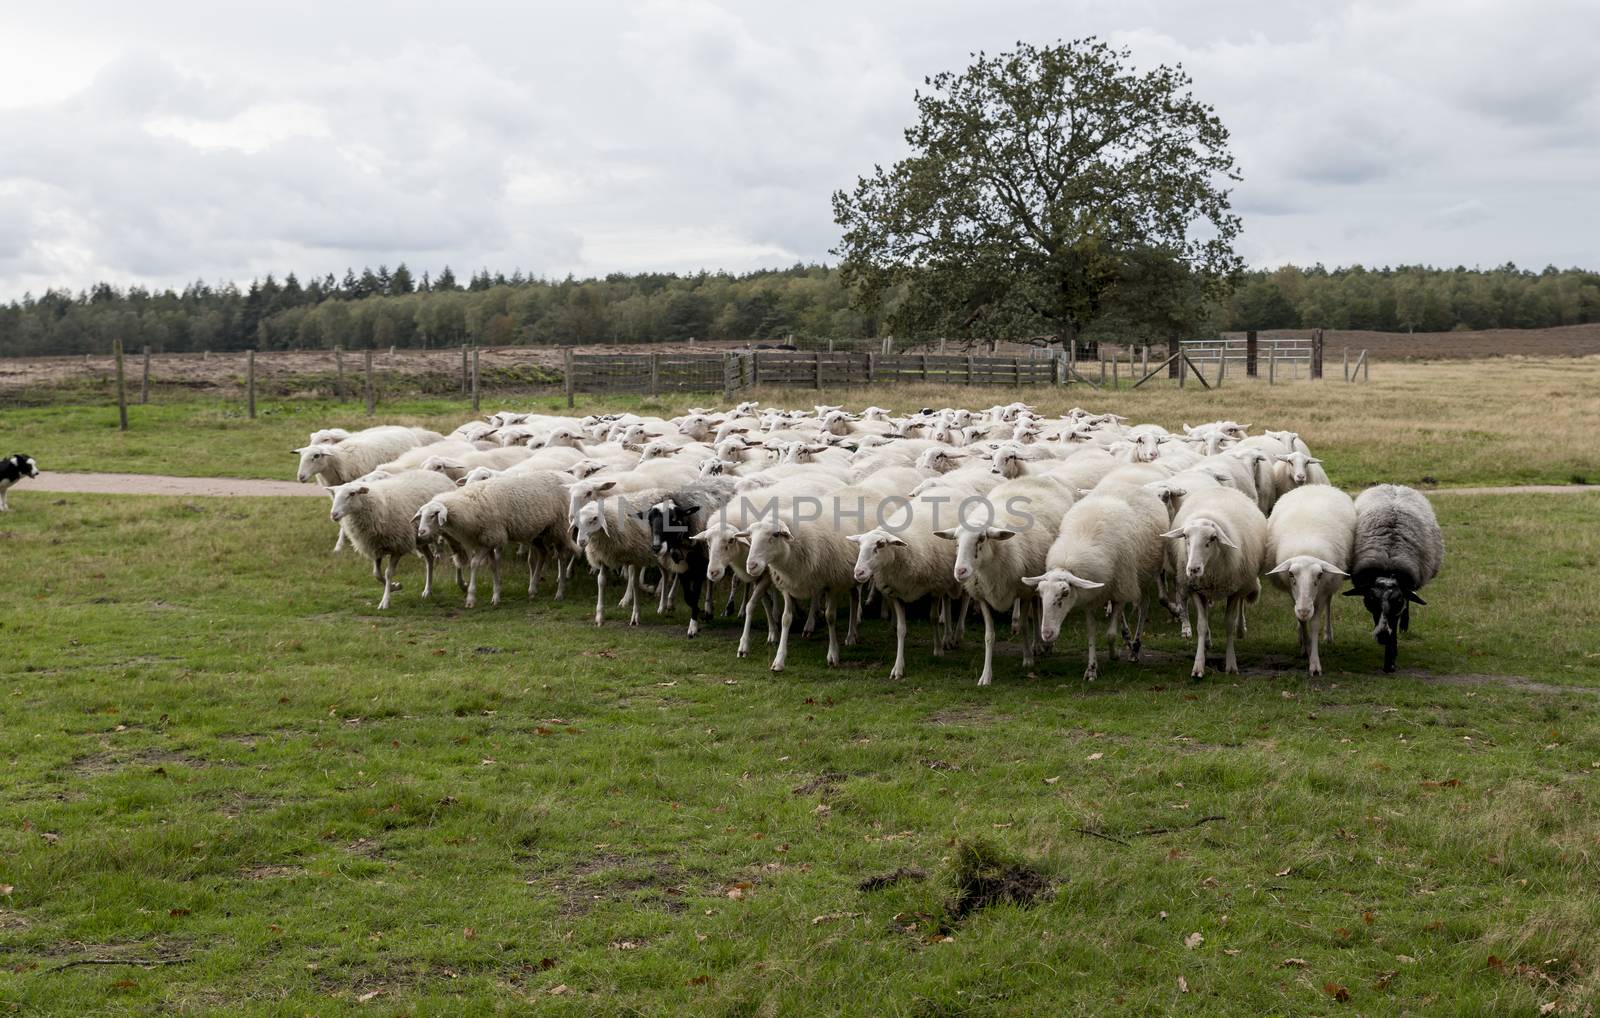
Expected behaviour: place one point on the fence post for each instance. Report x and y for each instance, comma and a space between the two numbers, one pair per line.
872, 367
1272, 366
1316, 353
250, 380
1347, 364
1102, 370
122, 392
1116, 380
1366, 367
338, 368
1175, 369
727, 376
372, 396
1144, 363
463, 371
755, 369
144, 380
1222, 367
924, 367
969, 368
655, 375
1183, 368
817, 364
566, 358
474, 379
1250, 354
1016, 371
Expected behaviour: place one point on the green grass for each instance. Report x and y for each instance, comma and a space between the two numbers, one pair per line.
216, 750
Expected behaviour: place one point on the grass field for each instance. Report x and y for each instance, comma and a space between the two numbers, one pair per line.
1507, 421
222, 760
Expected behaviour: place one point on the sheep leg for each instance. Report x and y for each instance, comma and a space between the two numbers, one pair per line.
758, 590
1185, 630
1313, 630
426, 551
941, 625
337, 545
774, 608
668, 588
852, 635
600, 596
830, 616
388, 582
1326, 611
633, 605
1405, 617
1231, 619
781, 658
987, 675
535, 567
1202, 635
811, 619
733, 593
1239, 625
630, 574
1023, 612
710, 597
1016, 617
1091, 670
694, 594
472, 581
1305, 641
1113, 630
1137, 644
562, 572
899, 670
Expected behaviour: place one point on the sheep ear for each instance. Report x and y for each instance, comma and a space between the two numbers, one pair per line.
1281, 567
895, 542
1355, 592
1284, 458
363, 490
1411, 596
1173, 534
1313, 459
949, 533
854, 538
1225, 540
1034, 581
1333, 570
1000, 533
296, 452
604, 486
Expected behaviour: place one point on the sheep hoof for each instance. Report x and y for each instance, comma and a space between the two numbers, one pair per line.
1197, 674
1186, 633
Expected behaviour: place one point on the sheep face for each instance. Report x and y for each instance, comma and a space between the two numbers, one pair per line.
1201, 540
1060, 591
1146, 448
768, 541
1303, 576
343, 498
1390, 605
973, 547
1008, 463
722, 550
940, 461
1298, 462
587, 522
875, 548
313, 460
430, 520
585, 492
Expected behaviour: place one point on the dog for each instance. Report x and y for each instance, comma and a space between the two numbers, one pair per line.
12, 470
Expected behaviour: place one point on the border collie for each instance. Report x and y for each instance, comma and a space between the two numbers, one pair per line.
12, 470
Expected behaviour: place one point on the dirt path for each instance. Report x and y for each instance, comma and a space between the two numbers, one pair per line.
233, 487
157, 484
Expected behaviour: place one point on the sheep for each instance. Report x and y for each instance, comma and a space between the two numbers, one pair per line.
328, 436
480, 519
673, 521
413, 459
810, 558
727, 553
612, 535
1398, 548
1309, 536
359, 454
1222, 538
1108, 551
1010, 542
907, 563
376, 516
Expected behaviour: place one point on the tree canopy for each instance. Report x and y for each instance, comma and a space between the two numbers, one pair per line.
1046, 187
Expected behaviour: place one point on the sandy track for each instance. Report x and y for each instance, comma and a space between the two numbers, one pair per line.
158, 484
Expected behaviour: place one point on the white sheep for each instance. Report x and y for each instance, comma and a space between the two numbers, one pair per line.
1003, 537
1309, 537
1295, 469
1221, 537
907, 562
1109, 551
359, 454
612, 534
376, 516
479, 520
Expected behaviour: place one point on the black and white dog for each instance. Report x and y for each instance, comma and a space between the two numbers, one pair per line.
12, 470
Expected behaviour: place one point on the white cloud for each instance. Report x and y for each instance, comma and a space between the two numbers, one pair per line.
163, 144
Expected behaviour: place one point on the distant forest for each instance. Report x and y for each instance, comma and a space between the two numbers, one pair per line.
392, 307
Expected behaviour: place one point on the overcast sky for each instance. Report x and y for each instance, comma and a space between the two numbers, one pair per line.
161, 142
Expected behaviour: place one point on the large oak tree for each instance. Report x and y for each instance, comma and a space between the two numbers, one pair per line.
1046, 186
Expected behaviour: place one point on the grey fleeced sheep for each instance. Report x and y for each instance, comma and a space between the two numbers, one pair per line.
1398, 549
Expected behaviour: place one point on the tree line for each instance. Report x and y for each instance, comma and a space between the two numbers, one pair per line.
380, 308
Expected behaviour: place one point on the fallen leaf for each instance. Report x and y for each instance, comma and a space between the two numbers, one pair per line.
6, 889
470, 933
178, 913
1446, 783
547, 963
1232, 952
1051, 781
50, 836
1336, 991
1496, 964
556, 991
1183, 985
1405, 959
1369, 918
1382, 982
1549, 1008
1284, 872
833, 916
736, 893
1295, 963
1096, 756
1194, 940
700, 980
369, 995
625, 945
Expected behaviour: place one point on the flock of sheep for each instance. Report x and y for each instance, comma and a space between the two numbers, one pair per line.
934, 511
